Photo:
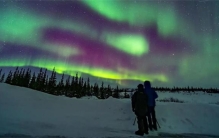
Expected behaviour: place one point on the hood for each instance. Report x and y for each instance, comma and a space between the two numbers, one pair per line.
140, 88
147, 85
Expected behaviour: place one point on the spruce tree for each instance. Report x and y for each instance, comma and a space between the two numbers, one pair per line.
14, 80
46, 84
52, 83
67, 87
0, 75
83, 92
9, 78
188, 89
82, 87
109, 91
27, 78
91, 90
116, 92
33, 82
0, 72
79, 88
76, 85
39, 80
96, 90
88, 89
44, 79
60, 86
19, 78
102, 92
22, 79
72, 87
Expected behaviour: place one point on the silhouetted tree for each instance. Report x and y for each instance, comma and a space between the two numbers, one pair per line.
27, 77
46, 83
84, 89
14, 80
1, 80
91, 90
9, 78
88, 88
67, 87
80, 85
20, 78
44, 79
109, 91
102, 91
52, 83
76, 86
96, 90
33, 82
72, 87
188, 89
116, 92
60, 86
39, 80
0, 72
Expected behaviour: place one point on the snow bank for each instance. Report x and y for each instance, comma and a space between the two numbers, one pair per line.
186, 97
193, 97
29, 112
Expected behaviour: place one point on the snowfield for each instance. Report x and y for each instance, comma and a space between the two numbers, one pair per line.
29, 113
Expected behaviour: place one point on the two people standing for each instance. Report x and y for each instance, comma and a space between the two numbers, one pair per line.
143, 105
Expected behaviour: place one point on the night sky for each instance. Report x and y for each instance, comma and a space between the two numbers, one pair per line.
170, 43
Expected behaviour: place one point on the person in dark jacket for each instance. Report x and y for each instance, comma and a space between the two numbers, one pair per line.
140, 108
152, 95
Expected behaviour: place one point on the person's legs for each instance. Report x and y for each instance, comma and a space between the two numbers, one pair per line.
149, 119
145, 125
140, 126
154, 118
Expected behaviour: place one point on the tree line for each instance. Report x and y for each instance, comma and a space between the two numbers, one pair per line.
75, 86
187, 89
72, 86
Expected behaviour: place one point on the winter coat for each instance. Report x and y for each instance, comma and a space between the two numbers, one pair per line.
152, 95
139, 103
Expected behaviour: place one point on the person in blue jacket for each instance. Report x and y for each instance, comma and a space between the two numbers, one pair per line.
152, 95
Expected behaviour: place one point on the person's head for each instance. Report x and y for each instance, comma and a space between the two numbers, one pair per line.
140, 87
147, 84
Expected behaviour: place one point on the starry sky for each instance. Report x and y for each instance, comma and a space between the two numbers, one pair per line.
170, 43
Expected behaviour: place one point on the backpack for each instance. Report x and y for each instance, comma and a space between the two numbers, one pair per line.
141, 105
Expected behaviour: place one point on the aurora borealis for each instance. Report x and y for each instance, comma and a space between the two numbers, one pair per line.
171, 43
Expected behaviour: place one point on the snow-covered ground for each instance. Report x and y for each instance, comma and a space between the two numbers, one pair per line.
25, 112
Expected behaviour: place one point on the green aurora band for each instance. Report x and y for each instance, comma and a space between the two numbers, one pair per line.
137, 14
132, 44
25, 27
71, 69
